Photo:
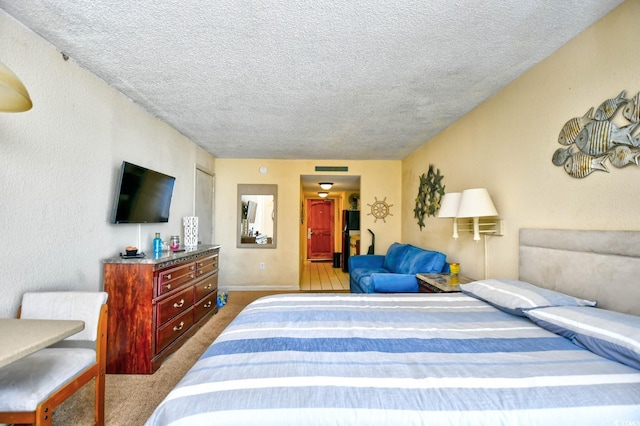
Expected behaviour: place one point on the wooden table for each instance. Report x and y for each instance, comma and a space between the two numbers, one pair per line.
21, 337
441, 283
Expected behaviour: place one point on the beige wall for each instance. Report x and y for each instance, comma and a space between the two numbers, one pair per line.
239, 267
506, 145
59, 164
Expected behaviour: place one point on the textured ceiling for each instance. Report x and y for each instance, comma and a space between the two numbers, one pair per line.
312, 79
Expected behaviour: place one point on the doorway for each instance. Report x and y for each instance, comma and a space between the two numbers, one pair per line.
339, 197
320, 229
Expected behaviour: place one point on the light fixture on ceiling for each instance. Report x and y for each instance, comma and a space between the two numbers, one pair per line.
326, 185
323, 194
13, 95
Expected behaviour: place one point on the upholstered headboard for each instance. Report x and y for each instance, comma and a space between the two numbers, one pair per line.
596, 265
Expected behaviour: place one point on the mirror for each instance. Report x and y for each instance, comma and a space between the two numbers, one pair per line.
257, 219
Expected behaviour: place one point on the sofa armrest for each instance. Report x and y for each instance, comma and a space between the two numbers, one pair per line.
367, 261
394, 283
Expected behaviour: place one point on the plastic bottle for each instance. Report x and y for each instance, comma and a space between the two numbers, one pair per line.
175, 242
157, 244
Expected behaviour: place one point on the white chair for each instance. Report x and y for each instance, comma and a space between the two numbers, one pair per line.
32, 387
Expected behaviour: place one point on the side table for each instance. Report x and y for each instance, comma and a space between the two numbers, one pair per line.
441, 283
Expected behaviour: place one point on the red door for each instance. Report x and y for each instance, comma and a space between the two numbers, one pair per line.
319, 229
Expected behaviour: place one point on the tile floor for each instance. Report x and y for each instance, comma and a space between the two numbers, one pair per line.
322, 276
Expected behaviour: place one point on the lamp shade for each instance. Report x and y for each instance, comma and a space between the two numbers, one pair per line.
476, 202
449, 205
13, 95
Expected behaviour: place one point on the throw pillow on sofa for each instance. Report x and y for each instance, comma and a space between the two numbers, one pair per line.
394, 256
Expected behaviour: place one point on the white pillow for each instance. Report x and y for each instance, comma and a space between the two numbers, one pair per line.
609, 334
516, 297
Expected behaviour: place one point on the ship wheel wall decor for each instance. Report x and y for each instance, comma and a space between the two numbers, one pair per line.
380, 210
430, 192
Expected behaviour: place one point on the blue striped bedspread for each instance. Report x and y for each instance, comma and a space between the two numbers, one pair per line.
402, 359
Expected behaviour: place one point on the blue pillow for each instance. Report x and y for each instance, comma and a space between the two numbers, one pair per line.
418, 260
394, 256
516, 297
609, 334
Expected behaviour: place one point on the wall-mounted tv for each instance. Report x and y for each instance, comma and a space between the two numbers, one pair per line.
142, 195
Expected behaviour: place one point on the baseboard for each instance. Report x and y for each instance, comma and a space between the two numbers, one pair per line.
260, 288
280, 289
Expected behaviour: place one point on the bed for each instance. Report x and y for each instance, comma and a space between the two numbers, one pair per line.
501, 352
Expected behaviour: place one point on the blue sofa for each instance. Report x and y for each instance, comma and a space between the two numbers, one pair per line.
394, 272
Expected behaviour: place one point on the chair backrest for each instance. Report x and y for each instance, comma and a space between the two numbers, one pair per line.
66, 305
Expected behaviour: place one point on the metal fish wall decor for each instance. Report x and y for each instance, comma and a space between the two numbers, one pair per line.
609, 107
591, 140
623, 155
570, 130
632, 110
580, 165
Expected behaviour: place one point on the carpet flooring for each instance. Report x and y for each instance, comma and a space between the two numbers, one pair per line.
130, 399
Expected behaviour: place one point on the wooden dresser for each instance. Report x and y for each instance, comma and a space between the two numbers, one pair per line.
156, 304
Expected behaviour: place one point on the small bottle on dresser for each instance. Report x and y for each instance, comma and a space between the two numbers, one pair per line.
175, 242
157, 244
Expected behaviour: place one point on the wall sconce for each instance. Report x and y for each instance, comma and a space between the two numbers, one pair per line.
449, 208
326, 185
13, 95
323, 194
476, 203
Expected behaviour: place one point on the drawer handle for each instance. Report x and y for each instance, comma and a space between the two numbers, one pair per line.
208, 304
191, 268
178, 327
208, 286
179, 304
190, 275
168, 276
168, 286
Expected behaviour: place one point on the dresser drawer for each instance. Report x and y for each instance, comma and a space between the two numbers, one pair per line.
174, 305
206, 265
206, 286
169, 279
206, 305
174, 329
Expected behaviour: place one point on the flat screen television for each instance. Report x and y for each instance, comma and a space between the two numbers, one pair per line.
142, 195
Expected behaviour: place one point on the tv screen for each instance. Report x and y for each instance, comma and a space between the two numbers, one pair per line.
142, 196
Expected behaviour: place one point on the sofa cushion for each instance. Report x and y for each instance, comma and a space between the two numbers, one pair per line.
360, 279
365, 284
360, 273
393, 283
416, 260
394, 256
